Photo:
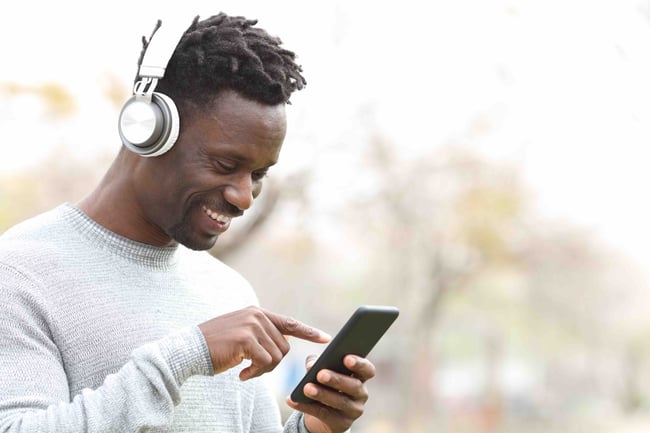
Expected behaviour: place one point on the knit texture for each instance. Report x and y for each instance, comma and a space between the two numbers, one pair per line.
99, 333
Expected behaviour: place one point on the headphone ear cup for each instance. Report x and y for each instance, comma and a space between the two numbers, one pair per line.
149, 128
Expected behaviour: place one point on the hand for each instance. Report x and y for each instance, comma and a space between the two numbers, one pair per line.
341, 401
254, 334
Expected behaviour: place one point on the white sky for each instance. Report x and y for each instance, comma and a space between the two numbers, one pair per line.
564, 84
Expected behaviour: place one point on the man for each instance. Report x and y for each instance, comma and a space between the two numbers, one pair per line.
112, 317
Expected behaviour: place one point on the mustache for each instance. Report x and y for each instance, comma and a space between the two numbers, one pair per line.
220, 206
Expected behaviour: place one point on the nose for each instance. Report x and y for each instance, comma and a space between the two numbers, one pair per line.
240, 192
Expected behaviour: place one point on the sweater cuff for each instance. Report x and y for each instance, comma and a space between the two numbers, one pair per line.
187, 354
296, 423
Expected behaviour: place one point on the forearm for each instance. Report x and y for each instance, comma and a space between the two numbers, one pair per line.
141, 395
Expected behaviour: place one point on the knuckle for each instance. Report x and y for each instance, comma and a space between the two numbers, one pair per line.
251, 309
365, 369
309, 332
371, 371
275, 359
254, 328
284, 347
257, 313
363, 394
356, 411
332, 380
291, 324
265, 360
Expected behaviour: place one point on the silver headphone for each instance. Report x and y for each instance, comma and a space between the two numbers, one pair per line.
149, 122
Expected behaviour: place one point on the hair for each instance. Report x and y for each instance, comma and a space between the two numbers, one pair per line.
228, 53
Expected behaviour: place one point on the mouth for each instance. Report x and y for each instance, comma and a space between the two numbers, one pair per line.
216, 216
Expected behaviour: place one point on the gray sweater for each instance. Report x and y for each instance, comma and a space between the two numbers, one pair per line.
98, 334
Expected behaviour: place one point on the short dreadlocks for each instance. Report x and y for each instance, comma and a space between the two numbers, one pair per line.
227, 52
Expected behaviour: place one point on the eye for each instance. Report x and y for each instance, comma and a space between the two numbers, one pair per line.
225, 166
259, 175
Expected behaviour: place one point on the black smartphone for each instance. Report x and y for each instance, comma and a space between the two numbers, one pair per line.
358, 336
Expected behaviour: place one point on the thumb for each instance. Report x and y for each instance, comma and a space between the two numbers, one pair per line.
251, 371
309, 362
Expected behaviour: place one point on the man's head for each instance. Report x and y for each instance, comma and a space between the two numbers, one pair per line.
229, 53
230, 82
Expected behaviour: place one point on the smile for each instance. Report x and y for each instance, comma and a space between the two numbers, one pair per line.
216, 216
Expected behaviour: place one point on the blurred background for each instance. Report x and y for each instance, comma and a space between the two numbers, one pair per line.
479, 164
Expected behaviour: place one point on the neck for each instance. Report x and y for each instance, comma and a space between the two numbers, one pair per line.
113, 204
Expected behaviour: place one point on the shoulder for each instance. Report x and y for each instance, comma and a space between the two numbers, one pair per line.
42, 227
33, 243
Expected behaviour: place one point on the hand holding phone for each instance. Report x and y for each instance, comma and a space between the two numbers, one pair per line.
357, 337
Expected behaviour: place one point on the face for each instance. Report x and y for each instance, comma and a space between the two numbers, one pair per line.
214, 171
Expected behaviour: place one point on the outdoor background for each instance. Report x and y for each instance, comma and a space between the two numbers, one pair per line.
482, 165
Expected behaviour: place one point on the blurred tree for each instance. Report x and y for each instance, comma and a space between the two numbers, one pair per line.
50, 182
437, 224
114, 90
453, 241
59, 103
24, 193
583, 299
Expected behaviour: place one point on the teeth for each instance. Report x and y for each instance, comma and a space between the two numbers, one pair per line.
216, 216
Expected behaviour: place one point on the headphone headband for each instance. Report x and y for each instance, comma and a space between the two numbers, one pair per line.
161, 48
149, 122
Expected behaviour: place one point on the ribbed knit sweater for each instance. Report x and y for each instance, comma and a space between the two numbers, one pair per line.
99, 333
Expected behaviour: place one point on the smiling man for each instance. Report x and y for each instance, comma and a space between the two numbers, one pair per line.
191, 194
115, 318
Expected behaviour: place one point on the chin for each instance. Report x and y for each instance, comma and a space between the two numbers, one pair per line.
193, 241
198, 245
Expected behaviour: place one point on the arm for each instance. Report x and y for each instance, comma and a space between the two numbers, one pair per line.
34, 394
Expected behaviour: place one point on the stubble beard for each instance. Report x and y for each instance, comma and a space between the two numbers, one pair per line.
183, 234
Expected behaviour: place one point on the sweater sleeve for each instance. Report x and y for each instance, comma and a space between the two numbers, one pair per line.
34, 394
295, 423
266, 415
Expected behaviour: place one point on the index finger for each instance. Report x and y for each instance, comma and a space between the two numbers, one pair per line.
290, 326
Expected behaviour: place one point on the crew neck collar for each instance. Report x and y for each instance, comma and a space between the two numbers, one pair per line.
138, 252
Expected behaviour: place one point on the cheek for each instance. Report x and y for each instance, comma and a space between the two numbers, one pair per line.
189, 178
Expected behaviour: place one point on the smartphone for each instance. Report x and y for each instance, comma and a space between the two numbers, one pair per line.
358, 336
